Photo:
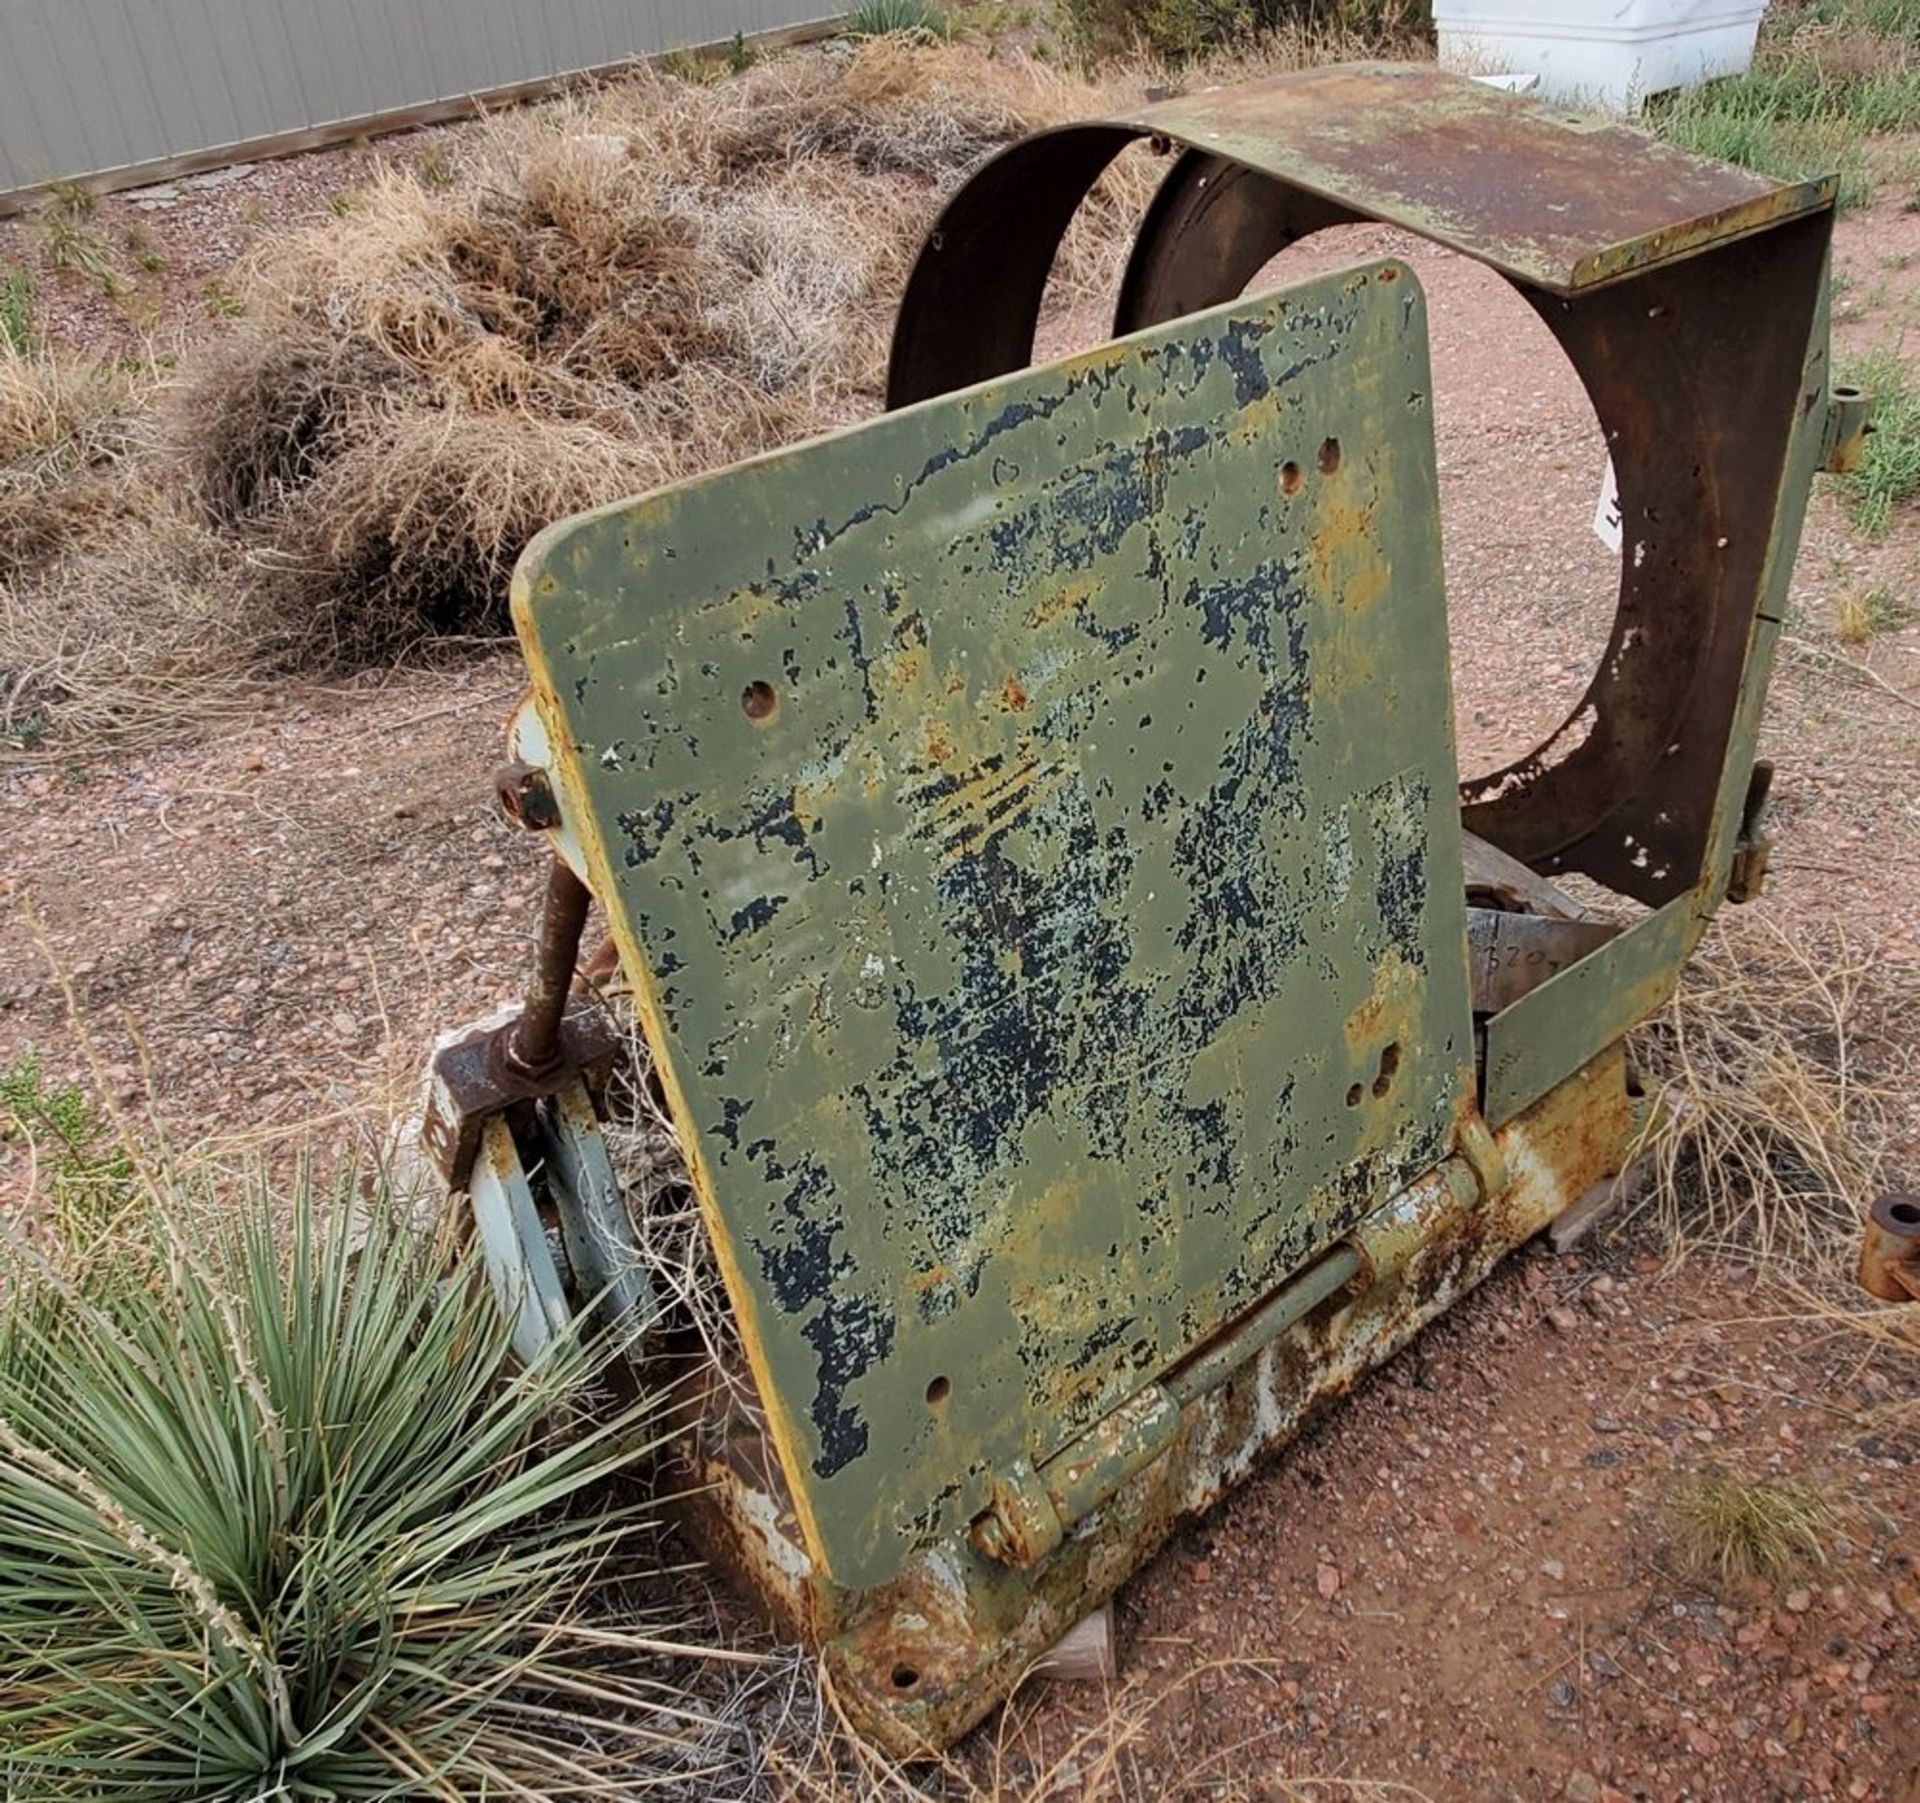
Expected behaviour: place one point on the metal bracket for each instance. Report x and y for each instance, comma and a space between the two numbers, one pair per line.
1753, 849
520, 1261
594, 1225
468, 1084
553, 1228
1843, 443
1890, 1253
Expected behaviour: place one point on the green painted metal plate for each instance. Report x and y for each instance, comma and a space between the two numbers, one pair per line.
1029, 822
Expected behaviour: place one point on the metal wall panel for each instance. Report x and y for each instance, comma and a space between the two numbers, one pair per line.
103, 89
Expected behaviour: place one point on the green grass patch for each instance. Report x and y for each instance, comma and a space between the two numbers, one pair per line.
16, 311
1824, 77
1736, 1530
906, 18
1180, 30
1889, 474
79, 1167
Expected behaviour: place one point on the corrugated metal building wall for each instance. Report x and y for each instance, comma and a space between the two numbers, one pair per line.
118, 88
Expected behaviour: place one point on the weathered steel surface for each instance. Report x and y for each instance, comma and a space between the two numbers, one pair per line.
921, 1660
1510, 954
1554, 199
1029, 821
1695, 363
1550, 1032
1563, 206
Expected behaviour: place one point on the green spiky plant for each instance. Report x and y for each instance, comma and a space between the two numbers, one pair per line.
898, 18
279, 1519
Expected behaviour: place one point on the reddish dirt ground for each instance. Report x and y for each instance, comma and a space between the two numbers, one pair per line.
1460, 1581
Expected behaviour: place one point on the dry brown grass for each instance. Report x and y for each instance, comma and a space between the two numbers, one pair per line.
614, 292
64, 427
1782, 1083
592, 297
607, 293
1091, 1744
1783, 1079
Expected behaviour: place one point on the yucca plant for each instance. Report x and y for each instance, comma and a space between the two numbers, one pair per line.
280, 1519
901, 18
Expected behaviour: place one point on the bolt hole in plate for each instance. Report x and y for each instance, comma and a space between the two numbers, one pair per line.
1523, 465
758, 701
1013, 1041
938, 1391
905, 1677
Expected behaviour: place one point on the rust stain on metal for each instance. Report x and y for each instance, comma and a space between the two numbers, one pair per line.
1562, 202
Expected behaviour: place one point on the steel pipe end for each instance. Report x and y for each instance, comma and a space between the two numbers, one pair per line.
1890, 1251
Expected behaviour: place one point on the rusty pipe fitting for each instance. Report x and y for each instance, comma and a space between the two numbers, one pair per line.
1890, 1252
526, 797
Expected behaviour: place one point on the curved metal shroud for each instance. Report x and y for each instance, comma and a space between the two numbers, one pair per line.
1682, 292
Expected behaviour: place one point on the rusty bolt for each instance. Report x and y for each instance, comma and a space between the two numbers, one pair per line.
526, 797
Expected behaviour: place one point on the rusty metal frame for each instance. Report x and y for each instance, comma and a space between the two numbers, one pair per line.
1691, 299
1687, 324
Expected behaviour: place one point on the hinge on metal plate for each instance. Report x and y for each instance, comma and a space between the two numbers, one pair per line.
1032, 1510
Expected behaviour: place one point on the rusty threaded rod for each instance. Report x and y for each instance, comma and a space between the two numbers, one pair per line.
533, 1045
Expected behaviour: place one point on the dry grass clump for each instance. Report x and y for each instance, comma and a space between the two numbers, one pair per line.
1032, 1752
1781, 1084
1782, 1078
1736, 1530
613, 292
64, 428
145, 629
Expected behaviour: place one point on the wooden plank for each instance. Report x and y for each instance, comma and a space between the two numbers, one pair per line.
1598, 1206
1084, 1654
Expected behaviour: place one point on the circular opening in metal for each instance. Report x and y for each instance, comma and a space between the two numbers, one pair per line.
757, 701
1329, 456
1292, 478
1904, 1214
1532, 588
905, 1677
938, 1391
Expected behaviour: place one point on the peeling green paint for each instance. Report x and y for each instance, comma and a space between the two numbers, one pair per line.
1041, 860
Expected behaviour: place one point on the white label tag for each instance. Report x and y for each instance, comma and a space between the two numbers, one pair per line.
1606, 517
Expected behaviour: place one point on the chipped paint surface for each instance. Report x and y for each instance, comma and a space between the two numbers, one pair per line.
976, 1636
1029, 820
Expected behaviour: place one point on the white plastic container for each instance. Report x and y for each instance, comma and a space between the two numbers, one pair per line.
1607, 53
